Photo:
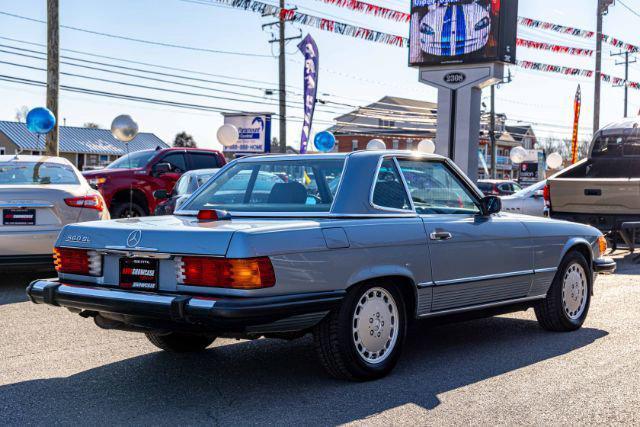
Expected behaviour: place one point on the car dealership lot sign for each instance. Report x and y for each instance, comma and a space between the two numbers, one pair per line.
461, 47
254, 132
462, 32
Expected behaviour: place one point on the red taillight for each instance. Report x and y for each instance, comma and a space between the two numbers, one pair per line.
546, 194
213, 215
92, 201
77, 261
250, 273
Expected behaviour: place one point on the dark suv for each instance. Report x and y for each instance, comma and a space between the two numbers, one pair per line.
144, 172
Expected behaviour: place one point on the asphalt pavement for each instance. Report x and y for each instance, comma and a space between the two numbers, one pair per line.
58, 368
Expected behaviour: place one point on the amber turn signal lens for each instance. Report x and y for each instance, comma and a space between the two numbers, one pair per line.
602, 244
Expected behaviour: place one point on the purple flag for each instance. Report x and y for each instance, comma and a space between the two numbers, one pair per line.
309, 49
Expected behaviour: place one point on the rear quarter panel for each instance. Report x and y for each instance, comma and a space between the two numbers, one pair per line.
368, 248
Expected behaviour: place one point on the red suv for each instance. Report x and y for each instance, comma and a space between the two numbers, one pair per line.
143, 172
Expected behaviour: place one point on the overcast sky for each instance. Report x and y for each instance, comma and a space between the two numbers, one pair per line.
352, 71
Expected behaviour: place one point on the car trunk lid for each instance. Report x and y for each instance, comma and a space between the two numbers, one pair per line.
22, 205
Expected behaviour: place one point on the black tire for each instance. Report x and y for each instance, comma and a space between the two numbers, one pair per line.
121, 210
177, 342
551, 313
335, 342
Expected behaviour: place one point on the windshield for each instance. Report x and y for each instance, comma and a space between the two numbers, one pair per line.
139, 159
530, 189
33, 173
304, 185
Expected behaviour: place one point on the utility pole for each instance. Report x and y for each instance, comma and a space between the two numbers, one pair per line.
626, 63
53, 72
603, 8
492, 133
282, 69
282, 72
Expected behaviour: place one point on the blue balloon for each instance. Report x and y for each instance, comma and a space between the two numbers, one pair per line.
40, 120
324, 141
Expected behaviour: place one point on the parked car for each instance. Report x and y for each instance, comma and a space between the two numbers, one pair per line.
528, 201
185, 186
128, 184
497, 187
601, 190
38, 196
352, 265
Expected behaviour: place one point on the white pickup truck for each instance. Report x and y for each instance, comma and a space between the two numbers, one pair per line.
602, 190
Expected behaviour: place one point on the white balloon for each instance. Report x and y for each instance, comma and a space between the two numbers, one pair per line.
124, 128
554, 161
228, 135
376, 144
427, 146
518, 154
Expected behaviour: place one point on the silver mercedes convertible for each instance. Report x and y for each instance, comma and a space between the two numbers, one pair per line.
348, 247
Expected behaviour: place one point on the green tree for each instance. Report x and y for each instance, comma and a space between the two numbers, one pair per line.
183, 139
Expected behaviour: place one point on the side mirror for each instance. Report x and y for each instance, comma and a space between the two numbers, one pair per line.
161, 168
161, 194
491, 205
538, 194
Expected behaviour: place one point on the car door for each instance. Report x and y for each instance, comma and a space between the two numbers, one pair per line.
475, 259
178, 166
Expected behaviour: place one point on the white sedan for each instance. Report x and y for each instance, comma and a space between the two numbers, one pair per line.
528, 201
38, 196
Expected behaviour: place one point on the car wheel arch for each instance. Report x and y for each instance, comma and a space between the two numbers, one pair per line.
122, 196
405, 284
580, 245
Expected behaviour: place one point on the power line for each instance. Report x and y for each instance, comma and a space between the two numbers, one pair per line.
132, 39
629, 8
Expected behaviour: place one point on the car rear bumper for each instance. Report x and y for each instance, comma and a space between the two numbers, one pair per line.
26, 261
604, 265
27, 243
603, 222
175, 311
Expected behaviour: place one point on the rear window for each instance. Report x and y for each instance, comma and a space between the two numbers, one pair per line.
611, 146
304, 185
34, 173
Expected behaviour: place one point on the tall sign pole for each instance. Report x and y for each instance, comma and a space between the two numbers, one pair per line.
53, 72
282, 81
603, 7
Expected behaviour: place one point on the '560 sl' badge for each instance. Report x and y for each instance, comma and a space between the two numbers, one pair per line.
134, 239
77, 238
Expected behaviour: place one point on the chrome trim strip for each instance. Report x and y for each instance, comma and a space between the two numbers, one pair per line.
482, 278
25, 205
481, 306
546, 270
307, 215
425, 285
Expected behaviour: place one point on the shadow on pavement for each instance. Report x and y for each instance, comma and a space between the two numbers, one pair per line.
276, 382
13, 285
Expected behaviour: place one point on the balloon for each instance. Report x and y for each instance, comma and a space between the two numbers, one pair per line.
427, 146
324, 141
376, 144
554, 161
123, 128
518, 154
40, 120
228, 135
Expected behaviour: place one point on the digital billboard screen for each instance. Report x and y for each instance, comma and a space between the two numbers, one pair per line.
462, 31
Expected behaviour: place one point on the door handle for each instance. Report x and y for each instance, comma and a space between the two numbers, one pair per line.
440, 235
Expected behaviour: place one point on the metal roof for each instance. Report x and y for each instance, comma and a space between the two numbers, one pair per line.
79, 140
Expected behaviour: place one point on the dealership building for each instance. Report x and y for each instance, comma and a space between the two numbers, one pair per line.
87, 148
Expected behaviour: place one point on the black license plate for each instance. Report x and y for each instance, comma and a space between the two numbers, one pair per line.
19, 217
139, 273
